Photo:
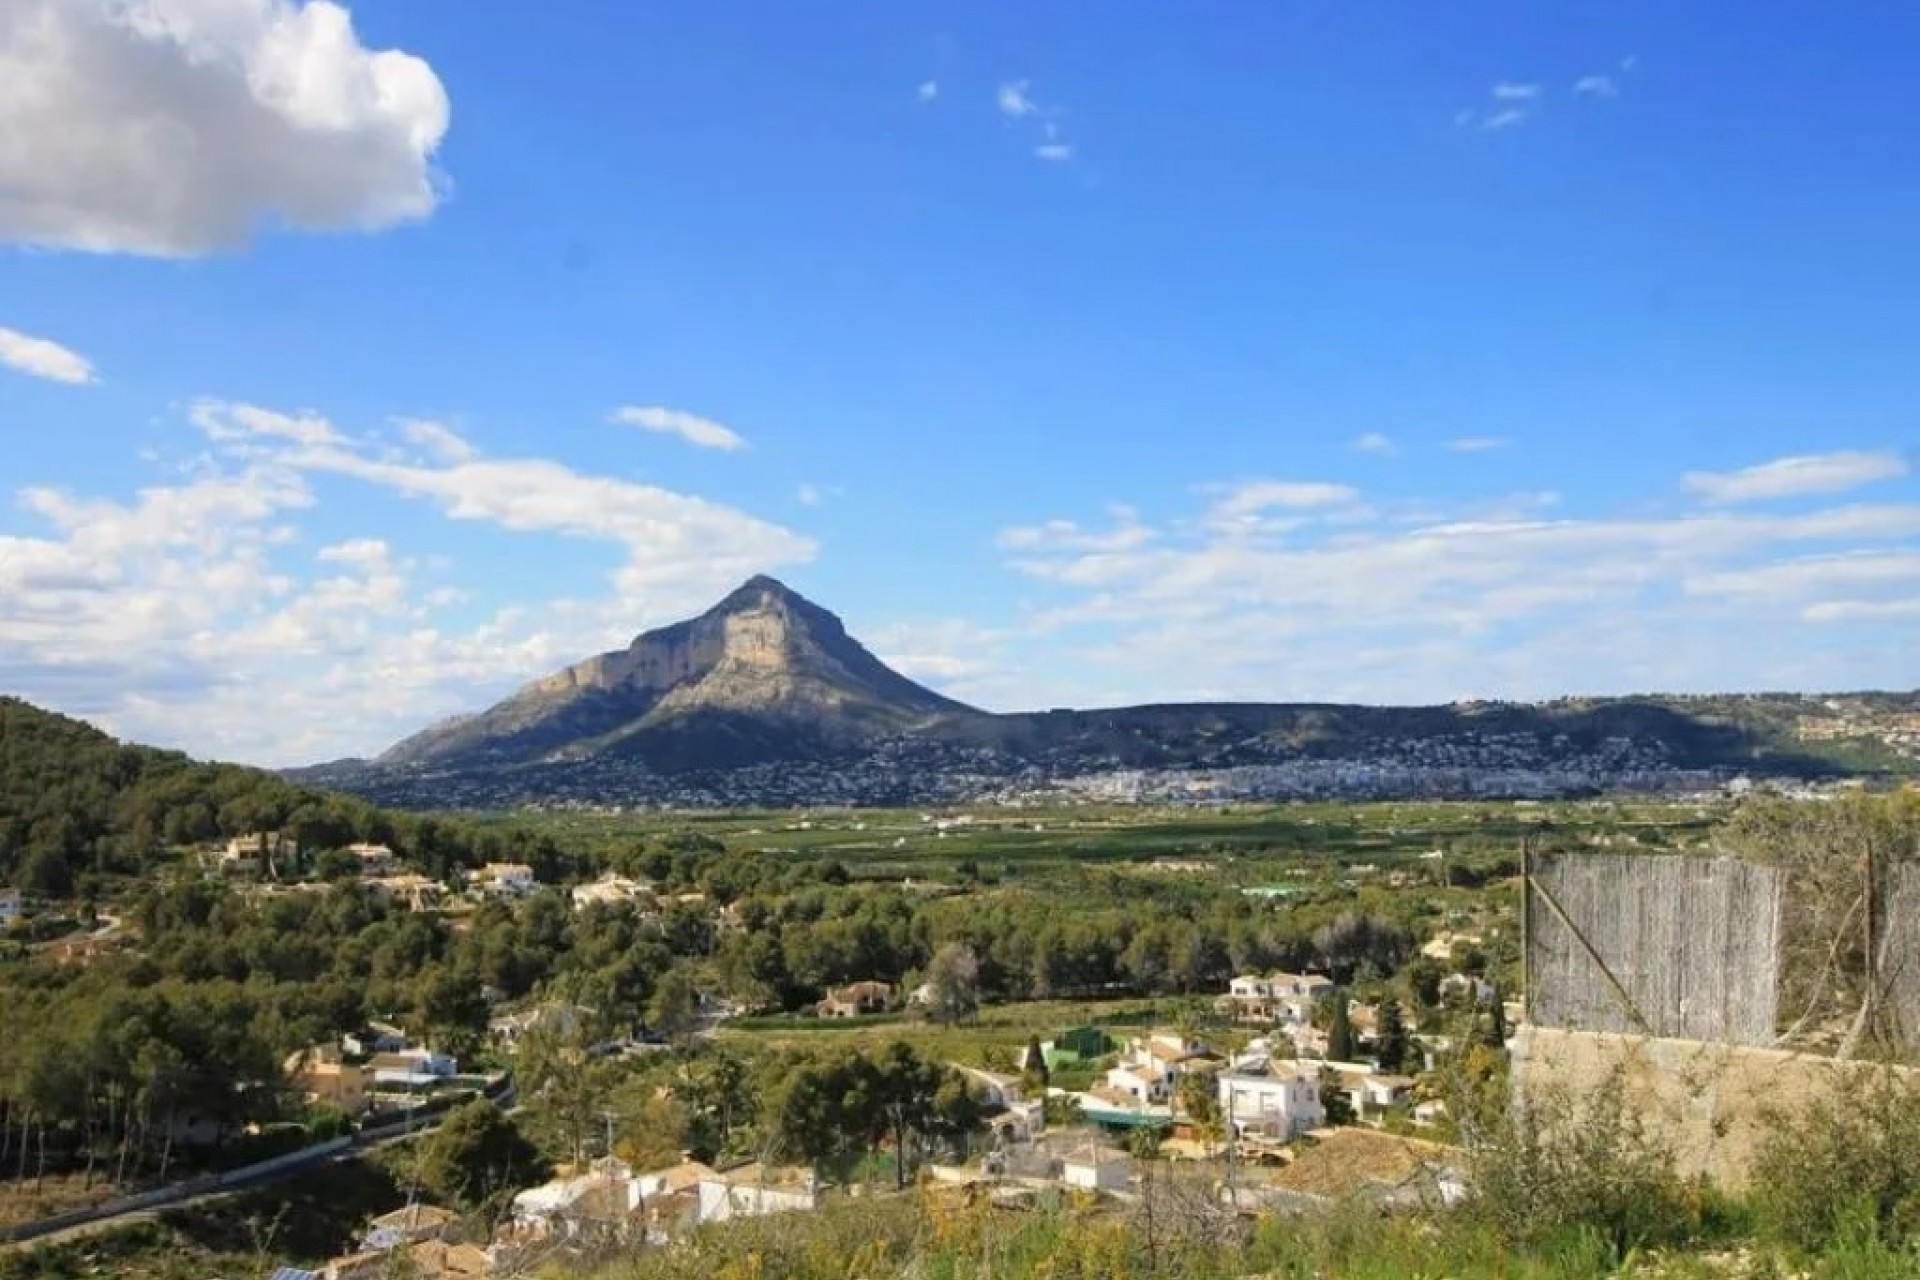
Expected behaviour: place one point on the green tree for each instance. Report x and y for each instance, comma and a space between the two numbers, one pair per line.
1390, 1039
954, 982
1199, 1099
1340, 1029
1492, 1031
674, 1011
451, 1008
475, 1155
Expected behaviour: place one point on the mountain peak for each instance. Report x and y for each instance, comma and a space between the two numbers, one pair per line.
768, 664
759, 589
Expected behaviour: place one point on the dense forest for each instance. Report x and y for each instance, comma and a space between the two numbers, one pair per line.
77, 807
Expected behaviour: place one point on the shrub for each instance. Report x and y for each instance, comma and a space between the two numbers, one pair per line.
1553, 1165
1847, 1167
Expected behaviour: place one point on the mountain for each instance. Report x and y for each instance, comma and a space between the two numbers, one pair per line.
765, 674
766, 700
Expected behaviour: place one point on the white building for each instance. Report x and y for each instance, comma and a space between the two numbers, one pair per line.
1016, 1117
609, 890
755, 1190
510, 879
1151, 1068
606, 1194
412, 1068
1282, 1102
1096, 1168
374, 859
242, 855
1277, 997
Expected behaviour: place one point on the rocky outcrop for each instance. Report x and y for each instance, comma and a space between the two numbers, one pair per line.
765, 670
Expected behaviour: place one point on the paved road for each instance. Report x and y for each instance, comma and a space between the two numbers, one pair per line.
507, 1101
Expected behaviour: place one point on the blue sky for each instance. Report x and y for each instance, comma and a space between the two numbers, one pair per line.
1073, 355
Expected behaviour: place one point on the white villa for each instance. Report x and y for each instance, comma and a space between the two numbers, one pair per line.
1151, 1067
1277, 997
755, 1190
374, 859
1282, 1101
610, 890
508, 879
1096, 1168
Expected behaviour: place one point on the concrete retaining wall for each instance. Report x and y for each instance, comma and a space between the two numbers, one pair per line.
1716, 1103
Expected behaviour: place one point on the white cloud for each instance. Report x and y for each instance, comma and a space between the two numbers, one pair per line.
1506, 119
952, 655
928, 90
438, 439
1596, 86
192, 616
1867, 611
361, 551
1255, 496
1054, 151
810, 495
177, 128
1796, 476
1510, 91
704, 432
237, 423
1066, 535
1014, 101
43, 358
1511, 605
1476, 444
1373, 442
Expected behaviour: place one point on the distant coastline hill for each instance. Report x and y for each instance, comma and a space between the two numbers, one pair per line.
766, 699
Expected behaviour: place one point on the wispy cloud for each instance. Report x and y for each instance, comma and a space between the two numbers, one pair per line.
1373, 442
1478, 603
166, 615
1796, 476
1254, 496
44, 358
810, 495
1512, 103
692, 428
1476, 444
1053, 148
1596, 87
441, 441
928, 90
1014, 101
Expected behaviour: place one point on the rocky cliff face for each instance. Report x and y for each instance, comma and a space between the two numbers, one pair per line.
763, 665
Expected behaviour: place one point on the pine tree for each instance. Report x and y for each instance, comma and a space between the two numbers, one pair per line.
1494, 1035
1340, 1030
1390, 1038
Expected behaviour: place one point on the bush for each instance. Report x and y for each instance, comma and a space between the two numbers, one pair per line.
1847, 1168
1553, 1165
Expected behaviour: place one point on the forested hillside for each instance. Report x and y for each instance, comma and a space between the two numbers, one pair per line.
76, 805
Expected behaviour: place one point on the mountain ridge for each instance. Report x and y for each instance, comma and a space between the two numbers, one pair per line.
766, 697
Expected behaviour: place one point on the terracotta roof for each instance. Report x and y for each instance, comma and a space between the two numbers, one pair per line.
688, 1173
414, 1217
437, 1258
1344, 1161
